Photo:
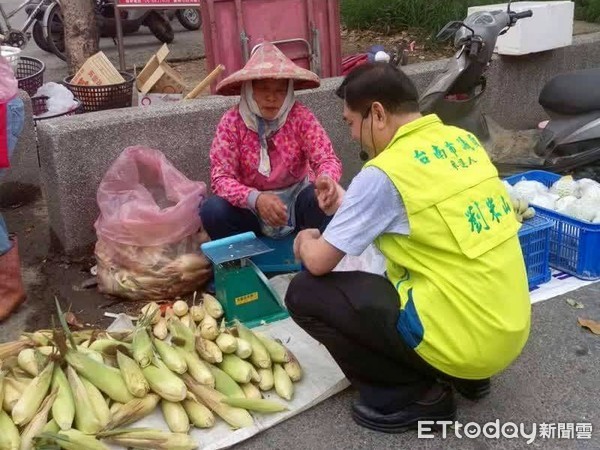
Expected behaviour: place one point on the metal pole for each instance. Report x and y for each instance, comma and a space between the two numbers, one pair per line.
120, 38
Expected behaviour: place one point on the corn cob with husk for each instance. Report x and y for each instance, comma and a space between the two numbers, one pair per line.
225, 384
2, 376
151, 310
171, 357
132, 411
63, 408
164, 382
109, 346
13, 390
293, 368
51, 427
132, 375
175, 416
29, 360
149, 439
37, 338
100, 406
13, 348
180, 334
236, 368
9, 434
212, 306
31, 399
251, 391
197, 313
258, 405
180, 308
260, 356
70, 440
208, 350
236, 417
86, 419
160, 329
283, 383
209, 328
277, 352
142, 347
266, 382
200, 416
226, 342
37, 424
243, 348
197, 368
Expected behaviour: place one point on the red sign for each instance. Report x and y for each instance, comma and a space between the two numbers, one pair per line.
159, 2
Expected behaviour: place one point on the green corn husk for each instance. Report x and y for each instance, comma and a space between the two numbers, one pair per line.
172, 359
164, 382
236, 417
208, 350
100, 406
142, 347
132, 375
92, 354
31, 399
175, 416
63, 408
86, 419
28, 361
283, 384
37, 424
13, 391
255, 376
251, 391
9, 434
37, 338
108, 346
236, 368
107, 379
266, 382
277, 352
225, 384
150, 439
2, 376
293, 368
244, 348
71, 440
260, 356
132, 411
180, 334
258, 405
51, 427
199, 415
196, 367
9, 349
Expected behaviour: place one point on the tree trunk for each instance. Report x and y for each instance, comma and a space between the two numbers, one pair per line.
81, 33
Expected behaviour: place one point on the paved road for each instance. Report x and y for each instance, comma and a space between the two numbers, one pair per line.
139, 47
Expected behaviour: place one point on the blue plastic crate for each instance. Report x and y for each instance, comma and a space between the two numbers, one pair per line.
534, 237
574, 244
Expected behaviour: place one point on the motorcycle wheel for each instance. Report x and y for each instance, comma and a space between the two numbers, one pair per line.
38, 37
56, 31
190, 18
160, 27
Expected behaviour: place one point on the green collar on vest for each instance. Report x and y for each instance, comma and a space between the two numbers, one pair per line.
410, 127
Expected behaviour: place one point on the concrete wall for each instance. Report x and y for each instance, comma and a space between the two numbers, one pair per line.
77, 151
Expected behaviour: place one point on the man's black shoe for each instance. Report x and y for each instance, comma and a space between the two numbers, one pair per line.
440, 408
473, 389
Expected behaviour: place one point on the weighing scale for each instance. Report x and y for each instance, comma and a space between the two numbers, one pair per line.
240, 282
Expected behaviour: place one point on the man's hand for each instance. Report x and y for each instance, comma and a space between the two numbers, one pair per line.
329, 194
271, 210
303, 236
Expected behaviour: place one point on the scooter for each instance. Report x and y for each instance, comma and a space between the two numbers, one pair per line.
569, 142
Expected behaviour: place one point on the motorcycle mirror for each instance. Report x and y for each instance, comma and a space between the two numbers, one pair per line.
449, 30
508, 7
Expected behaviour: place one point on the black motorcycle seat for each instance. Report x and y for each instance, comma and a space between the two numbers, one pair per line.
572, 93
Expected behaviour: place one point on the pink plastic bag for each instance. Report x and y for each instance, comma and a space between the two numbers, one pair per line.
9, 86
145, 201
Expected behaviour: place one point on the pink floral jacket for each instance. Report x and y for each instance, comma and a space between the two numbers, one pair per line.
300, 148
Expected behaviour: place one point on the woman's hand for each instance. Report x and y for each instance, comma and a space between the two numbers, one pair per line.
271, 210
329, 194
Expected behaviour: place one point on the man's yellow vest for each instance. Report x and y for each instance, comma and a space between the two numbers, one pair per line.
460, 274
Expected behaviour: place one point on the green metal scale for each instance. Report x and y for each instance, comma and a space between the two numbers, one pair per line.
240, 285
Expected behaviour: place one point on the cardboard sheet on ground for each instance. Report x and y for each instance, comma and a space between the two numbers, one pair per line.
559, 284
322, 379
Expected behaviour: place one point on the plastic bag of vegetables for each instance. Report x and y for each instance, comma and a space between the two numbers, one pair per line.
149, 229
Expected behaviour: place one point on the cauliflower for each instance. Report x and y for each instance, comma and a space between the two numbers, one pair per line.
565, 187
528, 190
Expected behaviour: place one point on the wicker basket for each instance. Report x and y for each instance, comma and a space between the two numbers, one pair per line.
98, 98
30, 74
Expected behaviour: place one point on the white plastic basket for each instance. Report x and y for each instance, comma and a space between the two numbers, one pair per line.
12, 54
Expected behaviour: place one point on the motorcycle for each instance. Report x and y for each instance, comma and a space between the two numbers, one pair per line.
131, 20
569, 142
190, 18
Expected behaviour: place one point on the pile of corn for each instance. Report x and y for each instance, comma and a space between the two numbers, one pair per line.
82, 395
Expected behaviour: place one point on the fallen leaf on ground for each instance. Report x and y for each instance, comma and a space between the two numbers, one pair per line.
575, 304
591, 325
72, 320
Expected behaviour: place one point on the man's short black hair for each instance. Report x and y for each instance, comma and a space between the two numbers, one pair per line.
379, 82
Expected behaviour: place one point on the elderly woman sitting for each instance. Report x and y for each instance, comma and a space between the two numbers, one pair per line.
269, 153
